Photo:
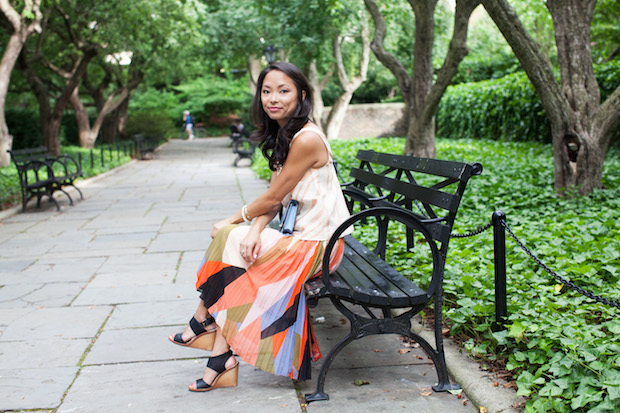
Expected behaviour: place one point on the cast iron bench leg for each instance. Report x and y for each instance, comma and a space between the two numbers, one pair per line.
319, 394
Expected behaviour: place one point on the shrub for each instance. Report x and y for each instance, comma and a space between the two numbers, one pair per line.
25, 127
506, 109
150, 122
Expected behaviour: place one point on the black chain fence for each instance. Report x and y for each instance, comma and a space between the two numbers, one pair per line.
472, 233
559, 278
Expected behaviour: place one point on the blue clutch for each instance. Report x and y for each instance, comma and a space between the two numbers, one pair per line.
287, 222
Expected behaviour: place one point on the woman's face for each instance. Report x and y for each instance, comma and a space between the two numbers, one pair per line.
279, 96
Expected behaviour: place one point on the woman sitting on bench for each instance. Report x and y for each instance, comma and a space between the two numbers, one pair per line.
251, 279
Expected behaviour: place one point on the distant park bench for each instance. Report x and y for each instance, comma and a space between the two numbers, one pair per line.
145, 146
41, 174
409, 198
243, 148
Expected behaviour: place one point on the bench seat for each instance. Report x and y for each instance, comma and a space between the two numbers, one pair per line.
364, 278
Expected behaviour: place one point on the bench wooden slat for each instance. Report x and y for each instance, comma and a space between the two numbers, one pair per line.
401, 291
354, 285
447, 169
372, 272
444, 200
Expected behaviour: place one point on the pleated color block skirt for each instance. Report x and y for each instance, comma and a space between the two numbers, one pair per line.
261, 308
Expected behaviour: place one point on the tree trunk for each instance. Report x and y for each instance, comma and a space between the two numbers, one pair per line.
339, 109
88, 134
121, 118
420, 94
87, 140
254, 69
11, 53
108, 129
581, 127
317, 98
337, 114
420, 133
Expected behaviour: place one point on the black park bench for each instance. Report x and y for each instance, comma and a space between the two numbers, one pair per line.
243, 148
145, 146
400, 198
41, 174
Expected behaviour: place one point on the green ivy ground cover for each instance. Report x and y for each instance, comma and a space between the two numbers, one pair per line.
10, 192
562, 348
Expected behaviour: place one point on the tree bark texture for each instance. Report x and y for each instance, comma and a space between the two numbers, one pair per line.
420, 93
317, 98
21, 30
349, 86
254, 69
581, 127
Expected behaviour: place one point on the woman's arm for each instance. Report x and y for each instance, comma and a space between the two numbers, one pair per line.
307, 151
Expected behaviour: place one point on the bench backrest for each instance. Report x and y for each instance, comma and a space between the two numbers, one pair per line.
20, 156
432, 189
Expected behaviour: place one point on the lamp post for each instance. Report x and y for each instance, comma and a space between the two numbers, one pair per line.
270, 53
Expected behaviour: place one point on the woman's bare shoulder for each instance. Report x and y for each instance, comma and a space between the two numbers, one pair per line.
310, 135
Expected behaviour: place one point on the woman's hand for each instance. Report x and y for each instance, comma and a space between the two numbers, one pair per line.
217, 226
250, 245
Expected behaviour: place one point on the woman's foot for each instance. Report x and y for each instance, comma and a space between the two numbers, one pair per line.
221, 371
197, 334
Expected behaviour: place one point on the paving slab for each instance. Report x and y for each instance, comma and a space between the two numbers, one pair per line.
132, 278
137, 345
34, 353
133, 294
59, 322
166, 261
174, 314
31, 389
61, 270
180, 241
52, 294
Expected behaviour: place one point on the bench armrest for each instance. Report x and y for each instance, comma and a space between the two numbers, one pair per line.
37, 166
385, 214
66, 163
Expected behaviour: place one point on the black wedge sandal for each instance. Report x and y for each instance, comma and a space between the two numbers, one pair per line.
203, 338
225, 377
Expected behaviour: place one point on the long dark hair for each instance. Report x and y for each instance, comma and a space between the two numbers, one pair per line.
274, 140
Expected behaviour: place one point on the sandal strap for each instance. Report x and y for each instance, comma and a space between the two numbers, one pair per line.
208, 320
196, 327
201, 384
218, 363
178, 338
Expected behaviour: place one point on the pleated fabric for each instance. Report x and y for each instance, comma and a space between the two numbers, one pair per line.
261, 308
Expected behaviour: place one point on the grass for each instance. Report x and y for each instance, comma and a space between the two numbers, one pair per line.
561, 348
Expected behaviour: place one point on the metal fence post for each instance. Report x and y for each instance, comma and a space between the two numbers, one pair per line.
499, 253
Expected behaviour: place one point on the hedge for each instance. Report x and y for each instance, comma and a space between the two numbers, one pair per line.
505, 109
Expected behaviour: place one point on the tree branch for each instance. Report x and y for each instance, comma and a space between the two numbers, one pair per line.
607, 118
456, 53
11, 15
343, 78
534, 62
387, 59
